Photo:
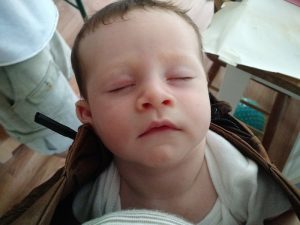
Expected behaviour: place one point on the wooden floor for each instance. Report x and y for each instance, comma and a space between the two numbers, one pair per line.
26, 169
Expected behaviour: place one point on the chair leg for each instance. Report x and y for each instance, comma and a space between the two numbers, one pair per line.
213, 71
273, 120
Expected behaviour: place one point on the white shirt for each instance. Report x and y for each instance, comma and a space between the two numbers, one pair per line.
26, 27
246, 195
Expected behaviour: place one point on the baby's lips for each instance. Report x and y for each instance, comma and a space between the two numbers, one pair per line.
159, 126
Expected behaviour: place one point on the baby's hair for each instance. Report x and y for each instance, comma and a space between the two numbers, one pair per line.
107, 15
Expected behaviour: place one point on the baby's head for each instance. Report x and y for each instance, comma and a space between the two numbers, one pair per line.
118, 11
139, 69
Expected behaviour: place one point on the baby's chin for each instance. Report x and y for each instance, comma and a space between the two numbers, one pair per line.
163, 158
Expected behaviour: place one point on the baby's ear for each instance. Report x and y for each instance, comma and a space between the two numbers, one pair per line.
83, 111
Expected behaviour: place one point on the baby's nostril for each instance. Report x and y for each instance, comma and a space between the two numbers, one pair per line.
166, 102
146, 105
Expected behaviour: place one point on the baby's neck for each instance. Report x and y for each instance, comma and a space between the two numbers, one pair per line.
185, 190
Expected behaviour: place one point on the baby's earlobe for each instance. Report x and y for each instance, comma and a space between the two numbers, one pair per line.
83, 111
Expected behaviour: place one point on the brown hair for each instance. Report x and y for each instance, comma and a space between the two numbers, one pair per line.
106, 15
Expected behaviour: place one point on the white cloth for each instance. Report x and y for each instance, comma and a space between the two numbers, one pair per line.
26, 27
245, 194
138, 217
99, 197
246, 33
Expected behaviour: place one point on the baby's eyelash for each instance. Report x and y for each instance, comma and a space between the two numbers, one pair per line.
180, 78
120, 88
116, 89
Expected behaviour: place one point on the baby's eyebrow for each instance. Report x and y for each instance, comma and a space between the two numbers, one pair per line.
116, 76
176, 57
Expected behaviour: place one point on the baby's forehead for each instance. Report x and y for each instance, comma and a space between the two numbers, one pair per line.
142, 15
136, 25
135, 17
141, 12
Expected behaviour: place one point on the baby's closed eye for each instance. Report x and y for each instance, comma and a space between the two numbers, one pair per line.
184, 78
121, 87
177, 78
181, 74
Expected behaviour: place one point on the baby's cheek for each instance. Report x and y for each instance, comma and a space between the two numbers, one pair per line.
113, 135
201, 115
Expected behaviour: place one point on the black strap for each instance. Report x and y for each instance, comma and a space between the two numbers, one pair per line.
54, 125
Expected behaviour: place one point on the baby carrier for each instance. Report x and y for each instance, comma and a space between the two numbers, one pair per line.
51, 202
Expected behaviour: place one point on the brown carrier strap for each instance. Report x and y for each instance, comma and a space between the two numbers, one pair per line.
249, 145
51, 202
45, 203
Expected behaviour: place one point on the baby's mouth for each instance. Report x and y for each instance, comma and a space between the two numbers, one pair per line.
157, 127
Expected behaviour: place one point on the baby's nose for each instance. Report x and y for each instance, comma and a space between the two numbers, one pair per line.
154, 97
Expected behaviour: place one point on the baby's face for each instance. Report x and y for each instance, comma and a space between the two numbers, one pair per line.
147, 90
